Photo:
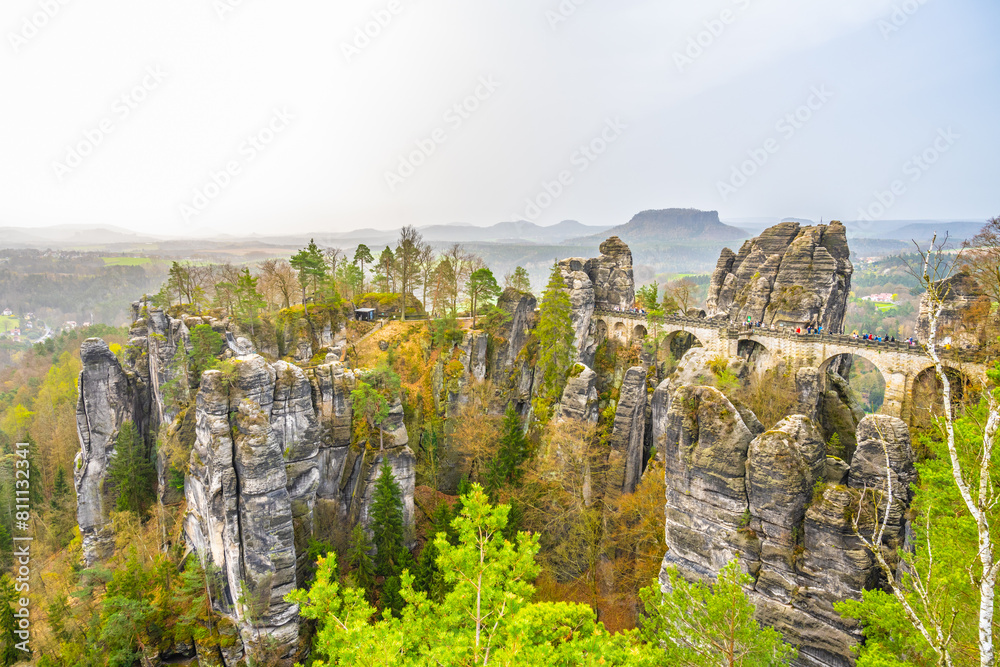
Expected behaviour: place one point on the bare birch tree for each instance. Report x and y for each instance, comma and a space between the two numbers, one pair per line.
974, 486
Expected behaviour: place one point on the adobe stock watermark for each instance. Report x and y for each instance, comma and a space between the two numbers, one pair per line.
121, 109
454, 117
371, 30
899, 17
581, 159
22, 545
223, 8
787, 127
913, 170
33, 24
562, 13
218, 181
714, 28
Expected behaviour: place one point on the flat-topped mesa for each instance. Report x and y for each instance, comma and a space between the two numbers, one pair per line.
790, 275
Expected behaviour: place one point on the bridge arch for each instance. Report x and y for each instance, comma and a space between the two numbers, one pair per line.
868, 381
755, 353
600, 331
926, 399
619, 332
639, 333
679, 341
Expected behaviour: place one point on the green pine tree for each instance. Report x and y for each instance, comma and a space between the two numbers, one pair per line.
360, 560
697, 624
311, 266
131, 471
206, 345
388, 538
505, 470
428, 577
9, 654
60, 488
555, 342
387, 523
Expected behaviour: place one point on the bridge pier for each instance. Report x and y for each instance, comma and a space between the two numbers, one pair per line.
896, 385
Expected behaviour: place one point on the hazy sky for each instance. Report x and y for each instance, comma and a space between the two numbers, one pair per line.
268, 115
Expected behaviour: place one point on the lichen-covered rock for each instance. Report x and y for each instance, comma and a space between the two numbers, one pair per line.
783, 464
832, 565
705, 446
777, 503
579, 398
296, 430
789, 275
628, 433
514, 334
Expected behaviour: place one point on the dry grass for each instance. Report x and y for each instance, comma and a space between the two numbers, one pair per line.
368, 352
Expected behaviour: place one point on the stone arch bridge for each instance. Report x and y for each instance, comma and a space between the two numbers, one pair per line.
899, 363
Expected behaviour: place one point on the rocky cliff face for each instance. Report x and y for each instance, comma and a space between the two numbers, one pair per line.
777, 502
790, 275
271, 455
601, 283
628, 433
109, 395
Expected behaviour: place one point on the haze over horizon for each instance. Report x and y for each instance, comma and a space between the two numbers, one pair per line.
874, 83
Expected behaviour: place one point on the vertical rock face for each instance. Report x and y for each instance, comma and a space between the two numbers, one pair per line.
512, 372
628, 433
705, 446
883, 439
789, 275
239, 510
582, 299
579, 398
108, 397
513, 336
297, 433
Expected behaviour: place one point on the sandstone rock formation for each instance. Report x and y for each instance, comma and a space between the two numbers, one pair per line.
109, 395
579, 398
778, 503
582, 299
604, 282
611, 275
271, 453
790, 275
628, 433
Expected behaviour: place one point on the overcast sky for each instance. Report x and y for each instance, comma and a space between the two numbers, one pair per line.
268, 115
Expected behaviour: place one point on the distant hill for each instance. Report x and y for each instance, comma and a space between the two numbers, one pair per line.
921, 230
68, 236
675, 224
924, 231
